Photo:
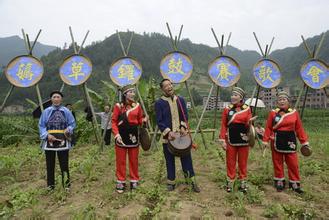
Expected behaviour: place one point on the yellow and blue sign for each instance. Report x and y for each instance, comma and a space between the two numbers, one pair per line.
267, 73
315, 74
125, 71
75, 70
224, 71
24, 71
176, 66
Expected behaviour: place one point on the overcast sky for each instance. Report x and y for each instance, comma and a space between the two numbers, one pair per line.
284, 19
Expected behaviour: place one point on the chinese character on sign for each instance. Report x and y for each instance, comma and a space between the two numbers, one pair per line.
265, 73
224, 73
315, 72
126, 71
76, 70
175, 66
24, 71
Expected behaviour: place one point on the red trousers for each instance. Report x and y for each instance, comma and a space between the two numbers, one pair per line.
121, 155
291, 160
232, 155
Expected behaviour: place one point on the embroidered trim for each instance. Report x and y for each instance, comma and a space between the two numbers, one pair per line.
282, 117
166, 131
244, 110
175, 126
133, 108
281, 151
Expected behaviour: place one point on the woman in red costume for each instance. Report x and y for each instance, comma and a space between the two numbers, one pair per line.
283, 127
126, 118
234, 139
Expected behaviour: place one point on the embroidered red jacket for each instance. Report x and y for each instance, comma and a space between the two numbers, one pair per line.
134, 116
289, 121
241, 116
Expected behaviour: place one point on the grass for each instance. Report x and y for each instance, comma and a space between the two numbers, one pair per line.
92, 196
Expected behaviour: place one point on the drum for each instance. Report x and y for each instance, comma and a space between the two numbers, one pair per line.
306, 151
251, 136
181, 145
144, 139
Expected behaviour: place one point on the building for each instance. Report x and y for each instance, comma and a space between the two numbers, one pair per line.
315, 98
269, 96
212, 103
188, 105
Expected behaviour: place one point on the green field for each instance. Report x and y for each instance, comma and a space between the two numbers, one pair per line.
23, 193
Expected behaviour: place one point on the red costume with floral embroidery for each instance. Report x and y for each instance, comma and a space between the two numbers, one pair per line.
283, 127
125, 122
235, 124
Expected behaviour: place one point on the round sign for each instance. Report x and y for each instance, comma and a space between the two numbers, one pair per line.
224, 71
176, 66
315, 74
75, 70
267, 73
24, 71
125, 71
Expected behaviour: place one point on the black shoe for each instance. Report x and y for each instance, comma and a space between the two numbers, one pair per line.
243, 186
229, 186
279, 185
120, 187
50, 188
133, 185
195, 187
170, 187
296, 187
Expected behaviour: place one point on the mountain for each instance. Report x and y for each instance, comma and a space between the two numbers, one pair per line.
13, 46
291, 59
149, 48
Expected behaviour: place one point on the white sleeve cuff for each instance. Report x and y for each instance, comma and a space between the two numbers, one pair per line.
305, 144
166, 131
182, 123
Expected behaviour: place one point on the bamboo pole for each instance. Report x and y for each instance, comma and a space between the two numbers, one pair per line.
220, 48
6, 97
304, 102
255, 108
260, 48
306, 46
171, 36
73, 41
129, 44
143, 106
196, 113
39, 97
35, 41
83, 42
299, 96
215, 114
108, 119
85, 89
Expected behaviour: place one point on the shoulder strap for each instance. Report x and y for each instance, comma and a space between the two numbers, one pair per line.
185, 120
